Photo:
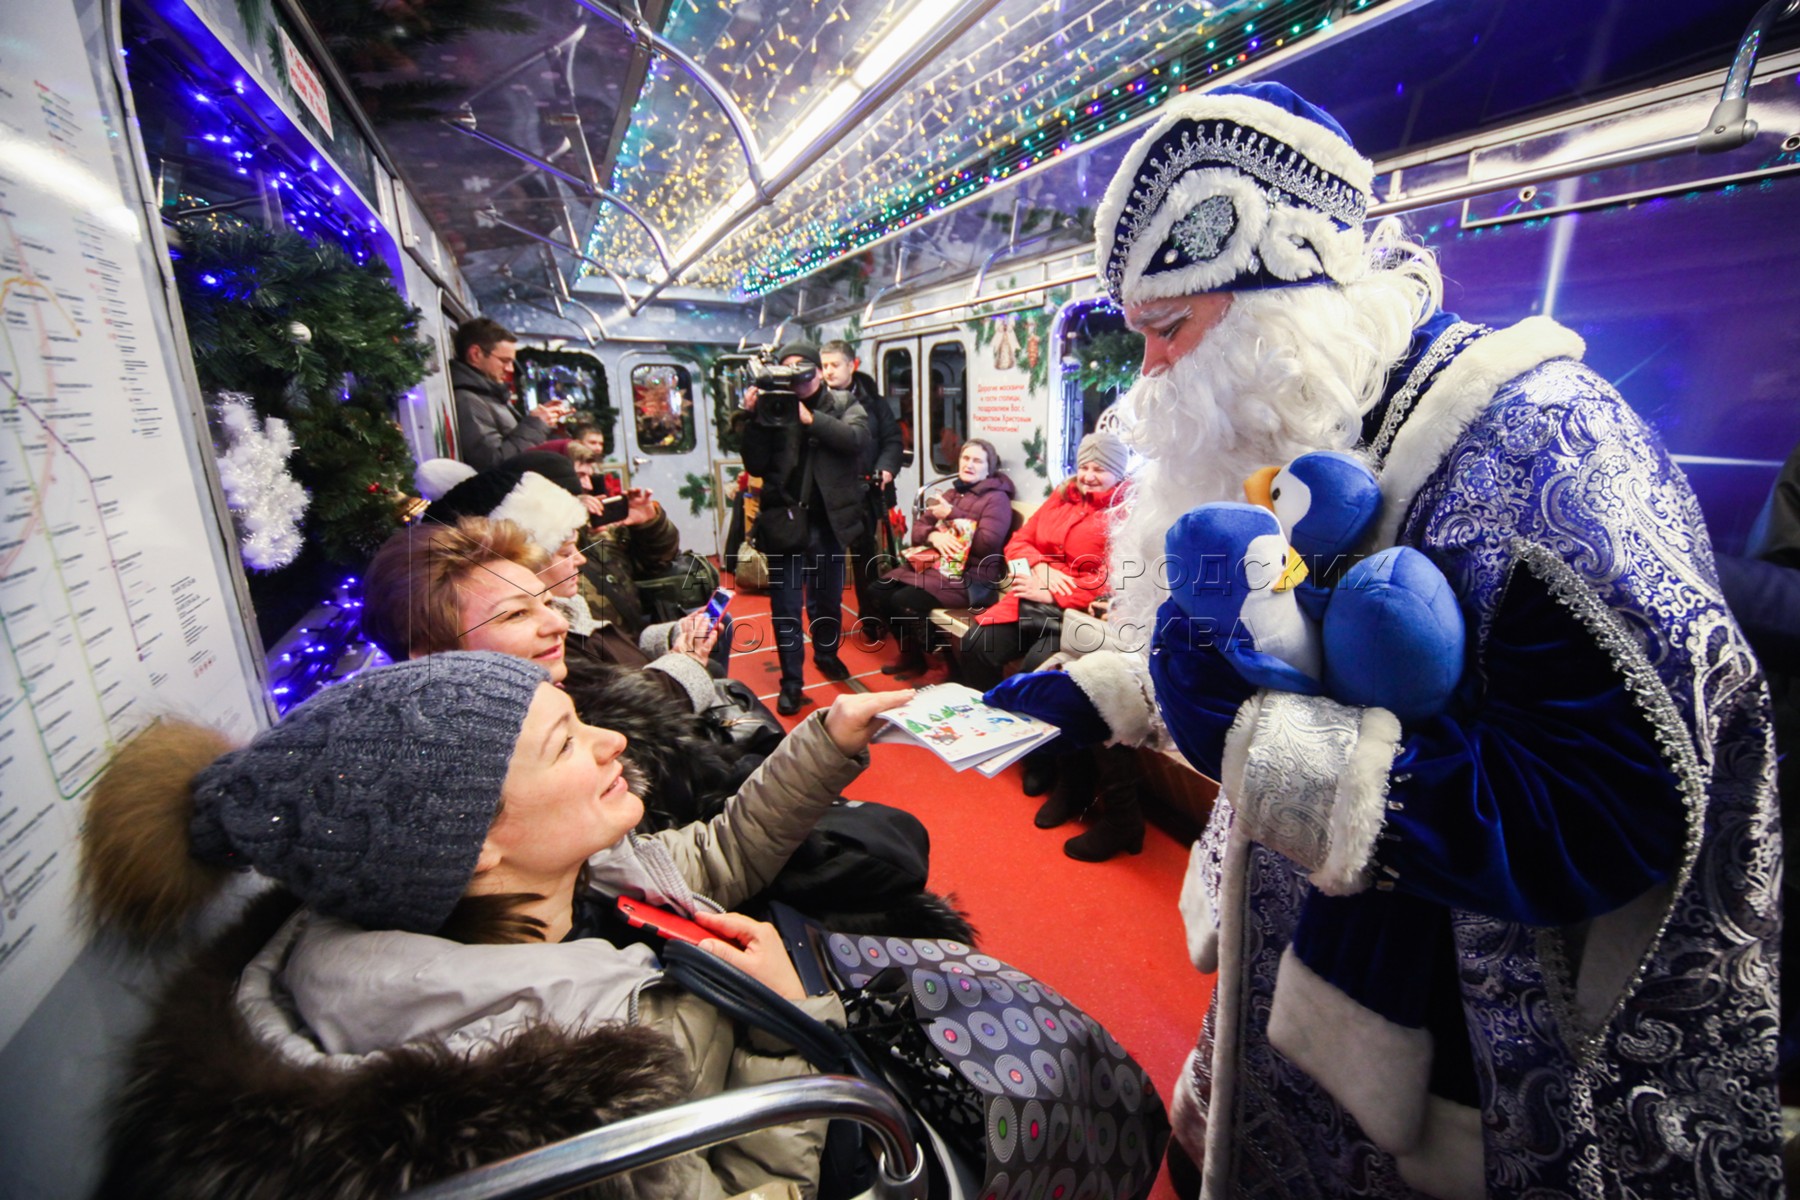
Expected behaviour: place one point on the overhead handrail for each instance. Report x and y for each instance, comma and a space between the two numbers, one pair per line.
631, 307
634, 1142
1041, 286
639, 30
566, 40
764, 191
465, 122
1727, 128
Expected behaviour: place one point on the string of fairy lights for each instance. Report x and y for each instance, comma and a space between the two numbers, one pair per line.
1038, 79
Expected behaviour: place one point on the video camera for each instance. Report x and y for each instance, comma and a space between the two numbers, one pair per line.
777, 389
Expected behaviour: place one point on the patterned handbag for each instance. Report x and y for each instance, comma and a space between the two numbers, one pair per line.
1031, 1094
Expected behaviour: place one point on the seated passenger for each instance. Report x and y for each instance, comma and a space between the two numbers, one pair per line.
1065, 543
594, 481
486, 585
956, 559
431, 986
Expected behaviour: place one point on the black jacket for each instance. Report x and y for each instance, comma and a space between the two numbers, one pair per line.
488, 429
885, 450
837, 442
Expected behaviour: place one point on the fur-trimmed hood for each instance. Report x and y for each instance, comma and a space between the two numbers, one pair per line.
209, 1109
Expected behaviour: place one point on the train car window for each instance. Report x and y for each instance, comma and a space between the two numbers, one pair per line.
724, 381
1100, 359
897, 386
949, 413
662, 403
564, 376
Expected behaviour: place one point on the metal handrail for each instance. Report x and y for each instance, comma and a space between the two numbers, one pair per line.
1727, 128
634, 1142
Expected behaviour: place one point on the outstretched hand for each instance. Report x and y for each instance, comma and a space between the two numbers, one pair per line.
852, 719
753, 947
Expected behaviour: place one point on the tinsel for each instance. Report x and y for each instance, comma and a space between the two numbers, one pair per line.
268, 503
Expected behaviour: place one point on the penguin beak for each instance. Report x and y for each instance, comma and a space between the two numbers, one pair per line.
1257, 488
1295, 573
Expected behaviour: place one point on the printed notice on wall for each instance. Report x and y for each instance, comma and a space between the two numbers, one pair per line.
114, 607
1001, 405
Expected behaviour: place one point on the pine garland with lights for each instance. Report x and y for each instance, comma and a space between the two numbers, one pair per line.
1109, 363
318, 341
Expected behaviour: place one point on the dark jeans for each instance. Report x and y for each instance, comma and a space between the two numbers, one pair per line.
986, 649
867, 559
813, 580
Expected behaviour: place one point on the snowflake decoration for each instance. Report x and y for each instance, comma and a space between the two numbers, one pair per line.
1204, 231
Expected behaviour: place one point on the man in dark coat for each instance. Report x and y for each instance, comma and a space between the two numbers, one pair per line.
489, 429
813, 462
842, 370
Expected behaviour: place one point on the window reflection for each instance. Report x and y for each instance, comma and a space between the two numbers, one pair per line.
949, 414
662, 403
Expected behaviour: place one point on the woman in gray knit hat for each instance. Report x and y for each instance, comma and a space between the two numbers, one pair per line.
448, 837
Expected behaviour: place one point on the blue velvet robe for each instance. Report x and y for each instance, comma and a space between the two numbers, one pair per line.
1571, 902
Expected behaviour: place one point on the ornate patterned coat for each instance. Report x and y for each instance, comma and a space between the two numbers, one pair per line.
1528, 947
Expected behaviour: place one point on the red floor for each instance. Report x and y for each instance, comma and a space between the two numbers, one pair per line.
1107, 935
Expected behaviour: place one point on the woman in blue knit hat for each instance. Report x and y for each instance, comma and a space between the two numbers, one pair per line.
430, 986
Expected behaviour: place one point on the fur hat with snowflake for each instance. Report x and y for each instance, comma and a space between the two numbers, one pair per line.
1241, 187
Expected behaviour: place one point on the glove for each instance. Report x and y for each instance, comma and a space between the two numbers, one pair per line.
1052, 696
1198, 691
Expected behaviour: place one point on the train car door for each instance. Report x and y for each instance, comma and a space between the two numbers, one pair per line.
926, 380
667, 443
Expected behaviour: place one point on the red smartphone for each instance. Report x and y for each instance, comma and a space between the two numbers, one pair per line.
664, 923
716, 606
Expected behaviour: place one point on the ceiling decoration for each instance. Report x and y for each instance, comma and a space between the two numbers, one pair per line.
1031, 81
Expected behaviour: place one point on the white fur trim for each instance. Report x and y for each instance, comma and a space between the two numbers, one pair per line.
692, 677
1311, 139
1251, 215
1459, 395
1197, 915
1376, 1070
1361, 807
1237, 746
1118, 685
547, 513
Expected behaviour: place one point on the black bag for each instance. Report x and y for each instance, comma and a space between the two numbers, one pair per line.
785, 528
1023, 1087
686, 584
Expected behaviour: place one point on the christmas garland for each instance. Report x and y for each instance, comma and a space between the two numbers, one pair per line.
317, 340
1109, 361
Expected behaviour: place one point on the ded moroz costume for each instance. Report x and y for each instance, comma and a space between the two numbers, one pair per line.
1527, 946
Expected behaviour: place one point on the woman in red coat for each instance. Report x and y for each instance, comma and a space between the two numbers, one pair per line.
955, 560
1065, 543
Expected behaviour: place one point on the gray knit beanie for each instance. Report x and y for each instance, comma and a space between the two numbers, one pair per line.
371, 801
1106, 450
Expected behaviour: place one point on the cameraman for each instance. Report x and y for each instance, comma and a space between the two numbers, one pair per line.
809, 455
840, 365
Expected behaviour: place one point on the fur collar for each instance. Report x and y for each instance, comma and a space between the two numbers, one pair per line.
209, 1110
1459, 395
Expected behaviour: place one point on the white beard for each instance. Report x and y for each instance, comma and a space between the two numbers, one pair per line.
1283, 372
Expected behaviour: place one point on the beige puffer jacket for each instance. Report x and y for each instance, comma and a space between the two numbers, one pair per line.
324, 991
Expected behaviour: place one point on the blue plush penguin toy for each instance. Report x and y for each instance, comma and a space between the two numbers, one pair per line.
1388, 634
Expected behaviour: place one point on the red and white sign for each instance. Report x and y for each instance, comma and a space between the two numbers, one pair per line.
305, 82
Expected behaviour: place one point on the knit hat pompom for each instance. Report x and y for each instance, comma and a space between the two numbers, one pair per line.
369, 802
1105, 449
136, 875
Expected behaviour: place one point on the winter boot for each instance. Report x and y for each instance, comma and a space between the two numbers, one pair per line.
1040, 773
1071, 794
1121, 824
912, 656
